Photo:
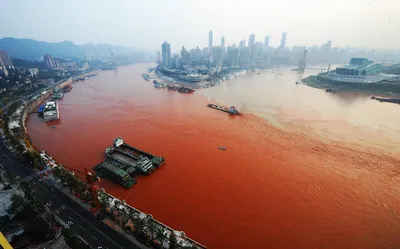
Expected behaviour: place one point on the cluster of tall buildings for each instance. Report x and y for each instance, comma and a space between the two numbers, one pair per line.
241, 56
54, 63
5, 63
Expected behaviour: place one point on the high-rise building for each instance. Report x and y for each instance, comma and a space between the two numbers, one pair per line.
210, 45
252, 39
49, 61
283, 40
166, 54
175, 62
233, 56
5, 61
242, 44
244, 57
327, 46
196, 56
204, 53
223, 42
218, 53
266, 43
185, 58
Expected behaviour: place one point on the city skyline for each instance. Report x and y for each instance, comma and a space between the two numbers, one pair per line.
308, 22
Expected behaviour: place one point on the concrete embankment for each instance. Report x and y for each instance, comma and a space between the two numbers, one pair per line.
385, 88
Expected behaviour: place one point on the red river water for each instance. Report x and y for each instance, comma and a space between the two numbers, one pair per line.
303, 168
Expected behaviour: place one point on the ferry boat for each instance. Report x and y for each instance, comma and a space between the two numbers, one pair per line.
51, 111
231, 110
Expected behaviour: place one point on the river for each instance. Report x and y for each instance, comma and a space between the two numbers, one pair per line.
303, 168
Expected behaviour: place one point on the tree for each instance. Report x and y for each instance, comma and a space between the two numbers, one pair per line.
16, 205
160, 234
173, 242
57, 172
72, 181
149, 222
73, 240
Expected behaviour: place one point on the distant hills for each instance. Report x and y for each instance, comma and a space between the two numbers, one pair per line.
32, 49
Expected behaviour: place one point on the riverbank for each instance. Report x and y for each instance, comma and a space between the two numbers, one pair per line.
213, 80
383, 88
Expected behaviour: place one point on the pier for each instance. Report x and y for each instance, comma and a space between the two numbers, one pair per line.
119, 145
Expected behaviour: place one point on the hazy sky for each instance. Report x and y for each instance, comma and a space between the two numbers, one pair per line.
147, 23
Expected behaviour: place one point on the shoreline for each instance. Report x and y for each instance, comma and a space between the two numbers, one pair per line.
197, 85
379, 89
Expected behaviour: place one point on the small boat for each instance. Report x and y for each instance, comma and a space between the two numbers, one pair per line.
221, 148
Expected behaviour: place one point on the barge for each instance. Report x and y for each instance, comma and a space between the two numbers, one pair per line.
185, 90
129, 162
172, 87
231, 110
120, 145
50, 111
112, 170
388, 100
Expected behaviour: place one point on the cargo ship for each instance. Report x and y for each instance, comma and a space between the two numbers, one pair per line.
231, 110
111, 169
185, 90
50, 111
119, 144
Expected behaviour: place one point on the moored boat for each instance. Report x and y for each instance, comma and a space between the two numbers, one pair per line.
172, 87
185, 90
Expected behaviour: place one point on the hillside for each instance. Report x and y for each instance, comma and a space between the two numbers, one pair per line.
32, 49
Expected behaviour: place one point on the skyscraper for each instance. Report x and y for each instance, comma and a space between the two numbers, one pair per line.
283, 41
223, 42
204, 53
185, 59
252, 39
233, 56
242, 43
5, 61
49, 61
166, 54
210, 45
196, 58
244, 57
266, 43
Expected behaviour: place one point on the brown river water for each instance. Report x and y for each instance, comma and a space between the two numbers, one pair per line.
303, 168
